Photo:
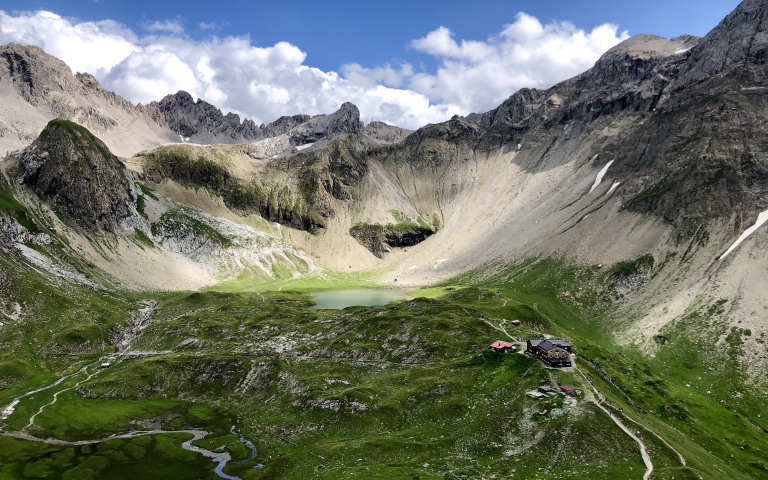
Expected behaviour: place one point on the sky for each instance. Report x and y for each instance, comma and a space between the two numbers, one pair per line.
407, 63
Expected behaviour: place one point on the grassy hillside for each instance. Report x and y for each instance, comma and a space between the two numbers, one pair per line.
403, 391
693, 390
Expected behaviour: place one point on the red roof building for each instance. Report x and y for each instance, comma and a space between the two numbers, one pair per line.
500, 346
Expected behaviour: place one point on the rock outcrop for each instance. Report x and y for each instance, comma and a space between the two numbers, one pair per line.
12, 232
379, 239
77, 176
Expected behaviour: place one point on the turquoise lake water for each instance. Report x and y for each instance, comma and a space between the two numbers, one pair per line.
366, 297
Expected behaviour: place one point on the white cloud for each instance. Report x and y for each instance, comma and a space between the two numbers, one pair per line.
91, 47
264, 83
477, 76
211, 25
171, 26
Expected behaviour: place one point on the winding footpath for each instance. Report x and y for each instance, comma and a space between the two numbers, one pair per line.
620, 424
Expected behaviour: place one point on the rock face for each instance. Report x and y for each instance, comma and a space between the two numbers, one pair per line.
200, 121
12, 232
80, 179
36, 87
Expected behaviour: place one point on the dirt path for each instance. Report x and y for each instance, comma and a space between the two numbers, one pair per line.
125, 345
10, 408
627, 430
500, 328
679, 455
286, 284
56, 396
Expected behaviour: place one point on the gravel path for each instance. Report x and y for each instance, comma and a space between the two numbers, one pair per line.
627, 430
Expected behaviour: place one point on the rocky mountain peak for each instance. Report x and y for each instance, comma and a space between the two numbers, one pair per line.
201, 122
343, 122
646, 46
79, 178
741, 38
32, 72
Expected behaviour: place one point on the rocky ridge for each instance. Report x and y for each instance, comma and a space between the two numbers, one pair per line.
202, 123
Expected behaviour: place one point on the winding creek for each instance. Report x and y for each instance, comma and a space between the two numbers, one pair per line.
221, 458
124, 349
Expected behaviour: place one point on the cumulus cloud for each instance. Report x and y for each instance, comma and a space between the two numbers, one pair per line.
93, 47
264, 83
479, 75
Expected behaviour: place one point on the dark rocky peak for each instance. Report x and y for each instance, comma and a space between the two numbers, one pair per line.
740, 40
77, 176
283, 125
342, 123
458, 130
201, 122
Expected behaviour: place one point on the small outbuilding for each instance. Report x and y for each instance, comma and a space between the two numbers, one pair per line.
516, 323
500, 346
105, 365
569, 390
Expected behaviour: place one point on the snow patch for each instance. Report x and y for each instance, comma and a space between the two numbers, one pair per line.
439, 261
681, 50
302, 147
761, 219
519, 146
600, 175
613, 187
7, 411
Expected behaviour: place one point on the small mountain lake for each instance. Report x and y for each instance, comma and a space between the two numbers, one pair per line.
365, 297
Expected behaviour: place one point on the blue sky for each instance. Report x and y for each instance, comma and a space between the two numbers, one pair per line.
391, 58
